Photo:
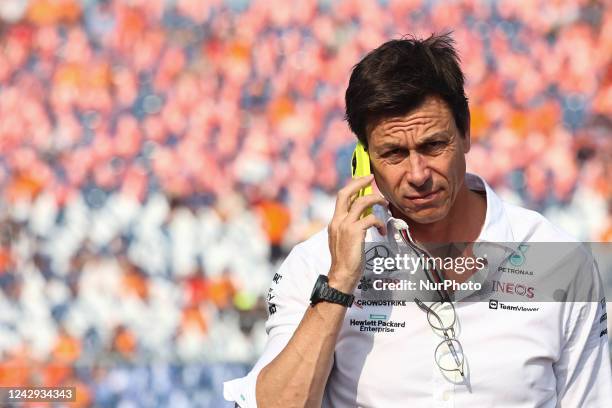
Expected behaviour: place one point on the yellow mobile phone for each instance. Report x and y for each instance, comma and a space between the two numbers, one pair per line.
360, 167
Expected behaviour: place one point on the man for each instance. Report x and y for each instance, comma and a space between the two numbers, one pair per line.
406, 104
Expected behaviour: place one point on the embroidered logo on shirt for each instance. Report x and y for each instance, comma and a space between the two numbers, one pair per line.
518, 257
378, 251
496, 305
360, 303
377, 323
365, 284
512, 288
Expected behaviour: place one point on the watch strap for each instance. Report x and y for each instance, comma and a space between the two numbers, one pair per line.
329, 294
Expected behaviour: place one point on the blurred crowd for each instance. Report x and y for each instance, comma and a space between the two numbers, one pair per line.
158, 158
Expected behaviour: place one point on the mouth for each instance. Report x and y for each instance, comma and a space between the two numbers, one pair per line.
424, 198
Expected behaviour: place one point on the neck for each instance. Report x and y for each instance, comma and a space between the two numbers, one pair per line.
462, 223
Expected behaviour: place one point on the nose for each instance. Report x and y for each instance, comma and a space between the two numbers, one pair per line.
418, 172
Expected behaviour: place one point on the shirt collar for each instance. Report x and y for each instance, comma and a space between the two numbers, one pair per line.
496, 227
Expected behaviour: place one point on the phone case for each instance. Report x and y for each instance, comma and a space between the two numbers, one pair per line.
360, 167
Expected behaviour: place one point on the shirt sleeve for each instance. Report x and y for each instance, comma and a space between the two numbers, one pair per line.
584, 375
288, 299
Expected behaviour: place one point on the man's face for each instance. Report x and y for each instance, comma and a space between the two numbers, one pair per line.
419, 160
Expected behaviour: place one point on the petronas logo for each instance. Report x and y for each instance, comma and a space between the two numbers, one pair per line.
518, 257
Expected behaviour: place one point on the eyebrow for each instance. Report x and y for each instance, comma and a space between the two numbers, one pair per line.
434, 136
426, 139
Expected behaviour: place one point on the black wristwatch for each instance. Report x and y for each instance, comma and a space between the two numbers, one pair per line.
322, 292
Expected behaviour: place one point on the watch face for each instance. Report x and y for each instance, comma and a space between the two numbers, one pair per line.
314, 290
315, 295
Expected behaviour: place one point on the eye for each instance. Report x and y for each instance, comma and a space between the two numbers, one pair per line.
434, 146
392, 153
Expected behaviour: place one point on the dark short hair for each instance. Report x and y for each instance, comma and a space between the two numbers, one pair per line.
396, 77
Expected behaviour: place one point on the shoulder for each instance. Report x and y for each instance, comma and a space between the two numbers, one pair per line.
528, 225
563, 264
314, 251
305, 262
514, 223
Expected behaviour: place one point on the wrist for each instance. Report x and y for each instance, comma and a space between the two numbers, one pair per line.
342, 282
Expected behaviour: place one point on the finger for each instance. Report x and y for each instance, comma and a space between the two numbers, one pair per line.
373, 221
343, 200
350, 191
362, 203
382, 230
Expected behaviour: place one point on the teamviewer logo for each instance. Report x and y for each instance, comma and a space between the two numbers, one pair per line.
492, 304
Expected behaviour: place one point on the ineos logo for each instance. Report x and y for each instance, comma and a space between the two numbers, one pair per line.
513, 289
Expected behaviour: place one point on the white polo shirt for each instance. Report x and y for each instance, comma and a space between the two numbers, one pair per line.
557, 355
